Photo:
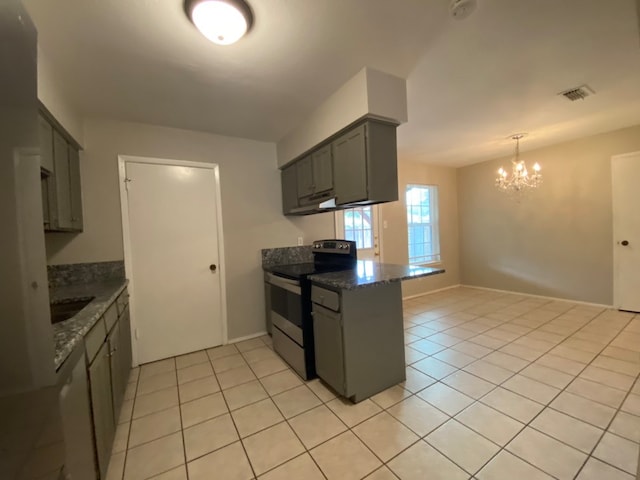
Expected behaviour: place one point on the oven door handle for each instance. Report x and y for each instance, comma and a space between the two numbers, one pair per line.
289, 285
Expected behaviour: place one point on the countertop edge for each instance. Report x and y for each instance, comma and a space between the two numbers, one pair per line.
318, 279
68, 334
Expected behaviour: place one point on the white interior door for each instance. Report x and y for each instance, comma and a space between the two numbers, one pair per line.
173, 248
360, 224
625, 174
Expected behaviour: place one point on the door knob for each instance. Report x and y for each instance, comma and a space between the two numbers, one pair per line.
624, 243
213, 267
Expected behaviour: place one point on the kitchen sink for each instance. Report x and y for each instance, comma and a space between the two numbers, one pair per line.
65, 309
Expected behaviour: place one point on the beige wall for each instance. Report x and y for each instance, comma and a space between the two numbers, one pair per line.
556, 242
369, 92
251, 206
53, 97
394, 237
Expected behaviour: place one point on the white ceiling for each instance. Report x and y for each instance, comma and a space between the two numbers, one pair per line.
471, 83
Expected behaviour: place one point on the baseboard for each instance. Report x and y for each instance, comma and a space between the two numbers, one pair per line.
580, 302
430, 292
246, 337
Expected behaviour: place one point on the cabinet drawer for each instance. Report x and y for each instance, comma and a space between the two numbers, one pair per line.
122, 301
326, 298
110, 316
94, 339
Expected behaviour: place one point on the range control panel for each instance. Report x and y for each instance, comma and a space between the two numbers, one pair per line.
334, 246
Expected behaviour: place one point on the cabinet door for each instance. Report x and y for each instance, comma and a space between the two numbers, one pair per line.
75, 189
45, 138
125, 347
322, 169
76, 425
304, 169
117, 387
289, 177
350, 166
62, 212
102, 406
327, 333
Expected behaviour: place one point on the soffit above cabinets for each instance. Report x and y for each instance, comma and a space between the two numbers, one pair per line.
470, 83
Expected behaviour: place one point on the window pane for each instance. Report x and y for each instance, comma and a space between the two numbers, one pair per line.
422, 215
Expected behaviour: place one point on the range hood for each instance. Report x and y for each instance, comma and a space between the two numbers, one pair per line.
326, 205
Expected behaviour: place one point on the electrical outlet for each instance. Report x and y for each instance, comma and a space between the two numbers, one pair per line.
300, 241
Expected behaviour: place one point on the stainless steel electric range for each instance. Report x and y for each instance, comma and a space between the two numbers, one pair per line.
290, 299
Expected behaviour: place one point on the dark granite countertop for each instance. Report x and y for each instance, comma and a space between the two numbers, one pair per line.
368, 273
69, 333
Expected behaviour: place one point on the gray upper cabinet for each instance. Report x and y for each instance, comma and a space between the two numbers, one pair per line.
75, 190
304, 171
350, 155
61, 184
322, 169
45, 134
61, 218
289, 177
365, 163
358, 166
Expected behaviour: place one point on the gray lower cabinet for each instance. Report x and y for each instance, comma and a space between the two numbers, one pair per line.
327, 332
108, 353
359, 338
102, 407
76, 421
119, 340
115, 357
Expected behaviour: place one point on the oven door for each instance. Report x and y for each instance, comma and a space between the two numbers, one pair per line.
287, 309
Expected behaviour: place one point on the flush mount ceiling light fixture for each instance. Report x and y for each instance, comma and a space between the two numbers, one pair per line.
520, 180
222, 21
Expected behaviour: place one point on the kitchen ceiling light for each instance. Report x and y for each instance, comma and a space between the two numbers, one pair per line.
222, 21
520, 180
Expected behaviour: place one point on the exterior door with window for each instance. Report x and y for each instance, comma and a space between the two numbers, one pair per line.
360, 224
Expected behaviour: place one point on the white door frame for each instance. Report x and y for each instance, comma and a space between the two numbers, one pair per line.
126, 238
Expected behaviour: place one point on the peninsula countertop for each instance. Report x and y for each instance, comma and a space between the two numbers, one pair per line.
368, 273
69, 333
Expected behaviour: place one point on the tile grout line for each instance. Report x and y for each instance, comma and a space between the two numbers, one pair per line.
544, 406
287, 421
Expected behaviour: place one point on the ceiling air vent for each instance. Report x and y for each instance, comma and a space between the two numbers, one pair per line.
578, 93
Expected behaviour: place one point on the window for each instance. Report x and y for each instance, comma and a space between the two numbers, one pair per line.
422, 220
358, 226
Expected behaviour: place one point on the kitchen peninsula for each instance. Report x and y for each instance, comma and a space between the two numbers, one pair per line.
357, 321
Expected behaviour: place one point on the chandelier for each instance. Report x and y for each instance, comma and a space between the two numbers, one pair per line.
520, 180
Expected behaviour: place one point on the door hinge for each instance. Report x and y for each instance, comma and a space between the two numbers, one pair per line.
136, 334
126, 181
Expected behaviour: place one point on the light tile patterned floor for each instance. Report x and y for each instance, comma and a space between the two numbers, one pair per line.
499, 387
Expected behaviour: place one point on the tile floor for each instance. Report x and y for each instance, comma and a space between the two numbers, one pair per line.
499, 387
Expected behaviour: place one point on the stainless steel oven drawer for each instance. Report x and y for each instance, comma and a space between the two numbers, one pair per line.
287, 327
326, 298
290, 351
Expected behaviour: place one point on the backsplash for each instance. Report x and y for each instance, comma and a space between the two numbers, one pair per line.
83, 273
286, 255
